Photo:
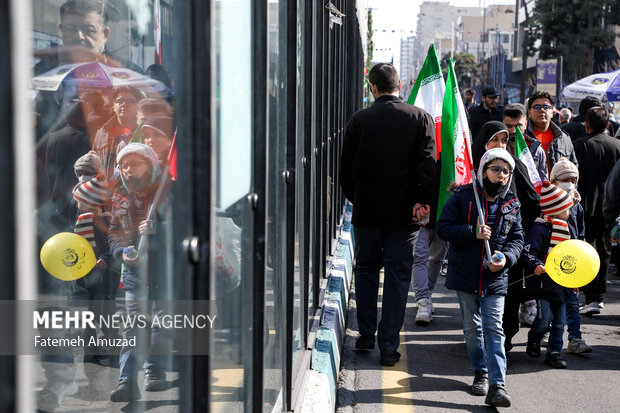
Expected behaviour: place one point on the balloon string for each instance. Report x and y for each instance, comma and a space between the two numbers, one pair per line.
521, 280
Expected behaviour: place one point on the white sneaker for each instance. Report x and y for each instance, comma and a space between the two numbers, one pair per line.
590, 309
578, 346
545, 340
424, 315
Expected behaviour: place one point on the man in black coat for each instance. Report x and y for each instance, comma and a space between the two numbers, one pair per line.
387, 171
597, 154
487, 110
576, 127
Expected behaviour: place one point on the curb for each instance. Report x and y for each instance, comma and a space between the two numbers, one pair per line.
330, 335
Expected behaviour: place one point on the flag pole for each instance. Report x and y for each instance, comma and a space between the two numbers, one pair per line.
160, 190
487, 246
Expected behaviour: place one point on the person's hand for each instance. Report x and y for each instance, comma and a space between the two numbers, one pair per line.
101, 263
499, 265
420, 211
483, 231
146, 227
539, 270
132, 260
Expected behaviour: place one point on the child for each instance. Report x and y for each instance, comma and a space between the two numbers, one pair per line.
546, 233
565, 175
481, 287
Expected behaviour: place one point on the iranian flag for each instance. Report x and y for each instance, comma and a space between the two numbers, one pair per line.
523, 153
428, 91
456, 160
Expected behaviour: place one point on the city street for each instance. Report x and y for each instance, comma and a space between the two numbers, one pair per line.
435, 374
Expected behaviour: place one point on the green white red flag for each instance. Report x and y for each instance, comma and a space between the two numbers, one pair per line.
428, 91
523, 153
456, 159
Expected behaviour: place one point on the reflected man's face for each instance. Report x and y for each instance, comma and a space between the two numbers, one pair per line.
84, 30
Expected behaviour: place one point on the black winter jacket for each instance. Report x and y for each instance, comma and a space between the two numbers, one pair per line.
388, 162
457, 225
534, 254
597, 155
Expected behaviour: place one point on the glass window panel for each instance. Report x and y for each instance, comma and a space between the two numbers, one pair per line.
103, 94
275, 272
232, 351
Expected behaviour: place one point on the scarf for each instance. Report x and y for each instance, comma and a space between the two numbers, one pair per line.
559, 231
84, 226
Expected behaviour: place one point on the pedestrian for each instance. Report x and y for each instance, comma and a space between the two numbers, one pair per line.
565, 175
485, 111
481, 285
565, 115
387, 172
515, 115
597, 153
548, 231
143, 274
470, 98
553, 140
576, 128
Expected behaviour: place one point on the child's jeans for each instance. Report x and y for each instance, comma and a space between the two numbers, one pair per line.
549, 313
573, 319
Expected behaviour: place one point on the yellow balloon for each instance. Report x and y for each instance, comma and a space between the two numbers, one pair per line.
572, 263
67, 256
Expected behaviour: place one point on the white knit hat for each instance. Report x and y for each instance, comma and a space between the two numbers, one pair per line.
145, 152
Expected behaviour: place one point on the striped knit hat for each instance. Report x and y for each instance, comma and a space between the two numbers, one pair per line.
554, 200
93, 193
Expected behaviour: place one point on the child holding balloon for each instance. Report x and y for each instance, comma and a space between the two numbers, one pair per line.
565, 175
547, 231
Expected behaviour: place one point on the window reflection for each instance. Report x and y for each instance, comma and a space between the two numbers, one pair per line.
106, 170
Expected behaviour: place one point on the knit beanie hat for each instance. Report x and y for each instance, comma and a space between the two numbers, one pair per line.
564, 170
139, 149
88, 166
145, 152
92, 193
161, 123
554, 200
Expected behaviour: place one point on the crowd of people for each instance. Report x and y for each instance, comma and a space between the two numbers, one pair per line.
495, 231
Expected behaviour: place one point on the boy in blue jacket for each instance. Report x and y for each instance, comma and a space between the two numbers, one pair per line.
547, 231
480, 286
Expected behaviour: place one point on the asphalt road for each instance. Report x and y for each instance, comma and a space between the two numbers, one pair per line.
435, 373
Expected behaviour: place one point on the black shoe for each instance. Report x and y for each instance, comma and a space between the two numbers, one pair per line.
155, 380
555, 360
533, 349
126, 391
480, 386
365, 343
390, 359
497, 396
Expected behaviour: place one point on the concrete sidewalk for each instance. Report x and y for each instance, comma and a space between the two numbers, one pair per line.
435, 373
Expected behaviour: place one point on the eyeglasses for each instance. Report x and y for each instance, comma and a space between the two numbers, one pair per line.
497, 169
120, 101
538, 108
132, 165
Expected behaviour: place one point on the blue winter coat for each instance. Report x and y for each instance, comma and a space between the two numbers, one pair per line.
457, 225
534, 254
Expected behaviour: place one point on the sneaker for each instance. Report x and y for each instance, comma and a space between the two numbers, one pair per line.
155, 380
424, 316
390, 359
365, 343
555, 360
578, 346
533, 349
480, 386
545, 340
497, 396
590, 309
126, 391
